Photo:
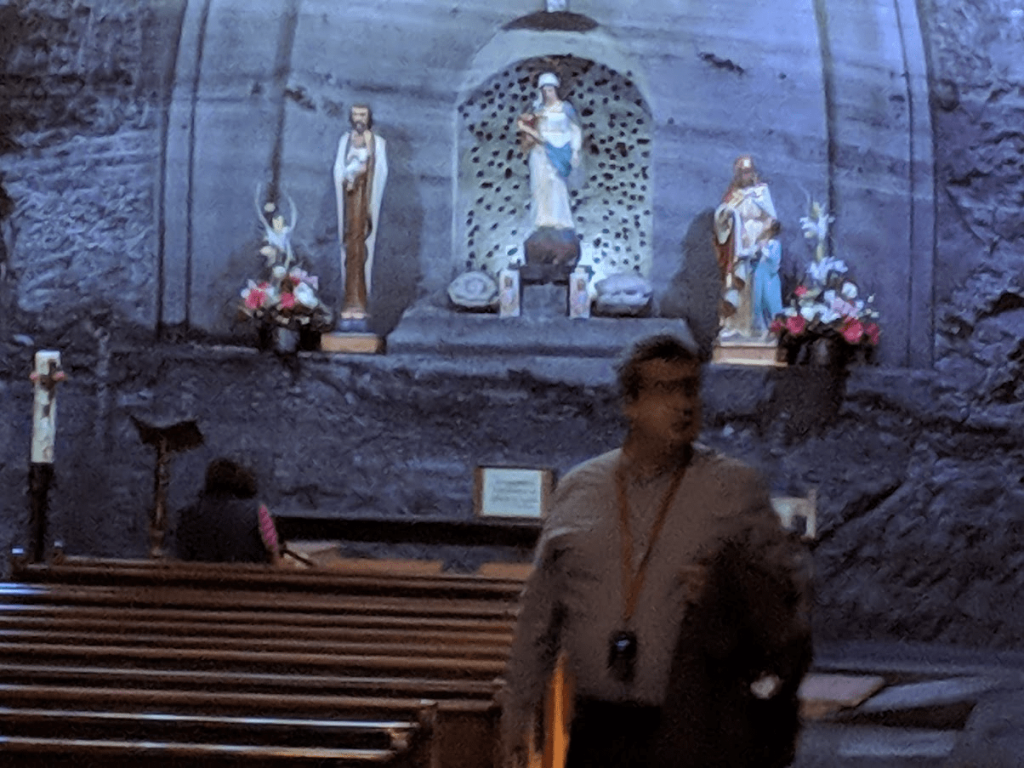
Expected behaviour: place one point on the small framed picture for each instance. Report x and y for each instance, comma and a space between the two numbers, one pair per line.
512, 492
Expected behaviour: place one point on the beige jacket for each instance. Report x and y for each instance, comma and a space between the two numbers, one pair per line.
573, 601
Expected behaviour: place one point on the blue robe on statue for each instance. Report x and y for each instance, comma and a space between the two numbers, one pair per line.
767, 298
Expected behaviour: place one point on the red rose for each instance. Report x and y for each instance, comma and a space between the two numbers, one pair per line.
776, 326
796, 324
255, 298
287, 300
800, 291
872, 331
852, 330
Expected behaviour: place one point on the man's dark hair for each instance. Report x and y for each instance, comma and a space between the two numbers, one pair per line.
661, 347
226, 477
369, 114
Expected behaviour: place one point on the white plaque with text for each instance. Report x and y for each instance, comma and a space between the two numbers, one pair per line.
512, 492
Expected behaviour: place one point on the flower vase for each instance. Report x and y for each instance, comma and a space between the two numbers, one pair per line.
789, 352
833, 354
309, 341
264, 338
823, 352
285, 341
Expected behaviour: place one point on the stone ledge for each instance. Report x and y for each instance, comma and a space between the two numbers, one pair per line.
427, 329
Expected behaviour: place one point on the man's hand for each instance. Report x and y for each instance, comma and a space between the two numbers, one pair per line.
766, 686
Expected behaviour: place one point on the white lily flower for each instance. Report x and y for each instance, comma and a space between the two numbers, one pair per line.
279, 272
305, 296
849, 291
815, 226
829, 315
818, 271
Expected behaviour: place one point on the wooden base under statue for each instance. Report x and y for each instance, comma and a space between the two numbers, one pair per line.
747, 351
352, 342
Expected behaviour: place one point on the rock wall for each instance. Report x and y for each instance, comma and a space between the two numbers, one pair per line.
920, 471
84, 90
978, 107
920, 530
830, 98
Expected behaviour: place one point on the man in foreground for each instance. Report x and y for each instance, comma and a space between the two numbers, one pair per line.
662, 572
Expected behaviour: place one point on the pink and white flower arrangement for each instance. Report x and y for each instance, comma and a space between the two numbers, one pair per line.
827, 305
287, 294
836, 312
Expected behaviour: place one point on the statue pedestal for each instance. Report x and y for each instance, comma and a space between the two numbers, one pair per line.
537, 274
354, 342
545, 300
744, 351
554, 250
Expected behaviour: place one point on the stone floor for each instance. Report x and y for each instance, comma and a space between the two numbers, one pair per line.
885, 707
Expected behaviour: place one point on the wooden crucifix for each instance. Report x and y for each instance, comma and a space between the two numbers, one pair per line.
45, 377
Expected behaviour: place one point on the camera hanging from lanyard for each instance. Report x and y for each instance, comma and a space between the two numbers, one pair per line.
623, 645
622, 648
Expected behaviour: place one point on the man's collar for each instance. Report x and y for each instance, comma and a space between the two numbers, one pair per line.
645, 470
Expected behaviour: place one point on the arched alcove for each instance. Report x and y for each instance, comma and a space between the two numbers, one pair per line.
611, 199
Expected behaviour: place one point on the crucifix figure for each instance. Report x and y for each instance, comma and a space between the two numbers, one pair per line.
45, 377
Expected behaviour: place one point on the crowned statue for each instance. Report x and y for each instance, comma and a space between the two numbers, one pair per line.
551, 135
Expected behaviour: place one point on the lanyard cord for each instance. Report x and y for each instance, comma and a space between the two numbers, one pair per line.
633, 583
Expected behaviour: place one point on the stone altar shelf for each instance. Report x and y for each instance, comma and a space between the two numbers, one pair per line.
426, 329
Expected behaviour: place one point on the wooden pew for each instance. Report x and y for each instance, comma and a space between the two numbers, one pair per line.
175, 664
113, 737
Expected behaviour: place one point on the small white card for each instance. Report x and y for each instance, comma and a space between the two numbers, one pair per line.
508, 293
579, 294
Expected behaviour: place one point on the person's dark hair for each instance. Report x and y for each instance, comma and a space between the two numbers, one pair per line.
226, 477
661, 347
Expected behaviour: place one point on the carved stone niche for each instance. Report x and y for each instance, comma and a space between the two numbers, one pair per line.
611, 204
611, 196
